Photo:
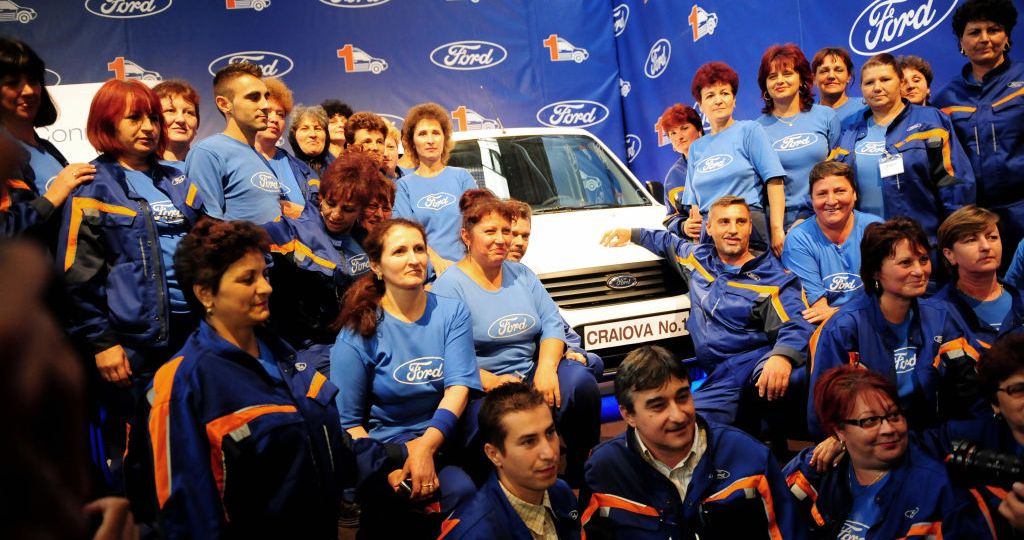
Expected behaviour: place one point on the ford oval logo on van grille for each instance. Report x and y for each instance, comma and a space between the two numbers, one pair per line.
621, 281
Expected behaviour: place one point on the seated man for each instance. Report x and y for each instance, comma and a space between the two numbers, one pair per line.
524, 498
745, 316
982, 306
674, 474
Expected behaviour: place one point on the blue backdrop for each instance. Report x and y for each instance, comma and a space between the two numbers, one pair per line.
611, 67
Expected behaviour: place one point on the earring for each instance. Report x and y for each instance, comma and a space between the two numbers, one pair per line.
878, 286
209, 310
962, 53
379, 275
767, 98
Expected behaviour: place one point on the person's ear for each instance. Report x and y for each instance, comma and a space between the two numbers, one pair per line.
493, 454
223, 104
465, 237
629, 418
950, 255
205, 296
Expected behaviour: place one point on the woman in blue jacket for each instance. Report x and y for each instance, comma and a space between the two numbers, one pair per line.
682, 125
884, 486
405, 364
907, 161
118, 238
986, 104
801, 132
913, 343
244, 442
316, 258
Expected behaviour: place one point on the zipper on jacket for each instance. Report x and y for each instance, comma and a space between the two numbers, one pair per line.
330, 453
158, 276
995, 147
977, 142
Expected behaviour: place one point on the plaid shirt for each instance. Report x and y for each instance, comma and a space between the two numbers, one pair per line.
539, 518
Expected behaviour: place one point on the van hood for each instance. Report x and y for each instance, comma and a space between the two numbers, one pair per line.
571, 240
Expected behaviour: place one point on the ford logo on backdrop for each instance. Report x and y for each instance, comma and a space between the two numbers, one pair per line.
713, 163
126, 9
794, 142
887, 25
657, 59
468, 55
620, 15
633, 146
51, 77
572, 113
354, 3
621, 281
511, 325
422, 370
273, 64
435, 201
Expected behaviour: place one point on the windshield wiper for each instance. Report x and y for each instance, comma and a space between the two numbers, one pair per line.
600, 205
550, 209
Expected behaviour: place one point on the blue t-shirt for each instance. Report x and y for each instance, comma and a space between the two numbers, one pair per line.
434, 202
736, 161
171, 227
180, 165
393, 381
801, 141
508, 324
269, 363
993, 312
282, 168
865, 511
869, 151
827, 269
237, 183
851, 111
1015, 274
44, 165
904, 356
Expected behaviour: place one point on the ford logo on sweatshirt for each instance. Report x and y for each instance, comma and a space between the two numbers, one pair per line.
713, 163
359, 264
795, 141
511, 325
436, 201
423, 370
842, 282
265, 181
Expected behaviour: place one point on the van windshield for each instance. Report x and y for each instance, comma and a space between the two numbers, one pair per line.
549, 172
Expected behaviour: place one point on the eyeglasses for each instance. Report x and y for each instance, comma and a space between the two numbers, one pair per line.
1014, 390
871, 422
374, 207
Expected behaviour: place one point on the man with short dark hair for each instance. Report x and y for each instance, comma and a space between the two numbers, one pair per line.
674, 474
745, 315
523, 499
237, 182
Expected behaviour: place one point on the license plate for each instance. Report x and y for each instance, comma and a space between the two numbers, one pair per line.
631, 331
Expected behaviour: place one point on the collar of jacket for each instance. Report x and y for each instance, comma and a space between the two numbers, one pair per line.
967, 73
161, 174
836, 487
220, 347
1012, 320
862, 124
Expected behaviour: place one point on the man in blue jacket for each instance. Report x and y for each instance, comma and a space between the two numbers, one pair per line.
523, 499
673, 474
745, 317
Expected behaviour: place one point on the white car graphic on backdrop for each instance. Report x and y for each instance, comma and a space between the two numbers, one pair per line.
569, 52
9, 11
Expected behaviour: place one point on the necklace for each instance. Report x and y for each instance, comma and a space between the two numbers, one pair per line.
874, 480
784, 121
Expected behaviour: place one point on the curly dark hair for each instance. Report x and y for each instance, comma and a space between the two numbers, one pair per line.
714, 73
211, 248
778, 57
879, 243
1001, 12
335, 107
1002, 361
348, 176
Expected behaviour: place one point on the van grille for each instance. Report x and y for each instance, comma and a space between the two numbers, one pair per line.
575, 290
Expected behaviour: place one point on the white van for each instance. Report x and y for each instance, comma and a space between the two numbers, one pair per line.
615, 298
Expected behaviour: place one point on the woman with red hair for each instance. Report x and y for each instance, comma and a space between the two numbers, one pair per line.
118, 239
682, 125
801, 132
735, 159
881, 472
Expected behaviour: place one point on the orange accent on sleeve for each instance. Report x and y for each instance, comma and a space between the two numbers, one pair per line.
760, 483
933, 528
18, 184
798, 479
691, 262
447, 526
219, 428
1008, 98
813, 346
191, 196
984, 511
159, 423
78, 207
836, 152
956, 344
957, 108
772, 291
998, 492
299, 247
947, 161
607, 500
315, 385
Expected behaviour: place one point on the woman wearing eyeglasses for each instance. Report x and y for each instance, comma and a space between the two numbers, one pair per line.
1001, 378
884, 485
913, 343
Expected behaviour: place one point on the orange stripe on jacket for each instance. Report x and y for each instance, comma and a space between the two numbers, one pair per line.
771, 290
303, 249
799, 480
315, 385
78, 207
191, 196
947, 161
760, 483
956, 344
813, 346
219, 428
447, 526
1008, 98
607, 500
18, 184
931, 529
691, 262
984, 511
957, 108
159, 423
